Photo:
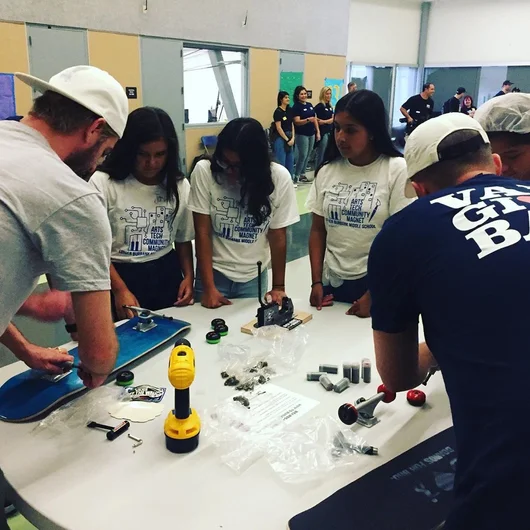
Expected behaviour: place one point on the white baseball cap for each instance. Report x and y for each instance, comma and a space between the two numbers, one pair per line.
509, 113
422, 147
92, 88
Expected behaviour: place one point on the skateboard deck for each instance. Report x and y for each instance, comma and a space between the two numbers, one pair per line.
414, 490
32, 395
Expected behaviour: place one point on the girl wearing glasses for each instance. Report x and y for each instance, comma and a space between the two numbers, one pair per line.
242, 204
146, 196
361, 183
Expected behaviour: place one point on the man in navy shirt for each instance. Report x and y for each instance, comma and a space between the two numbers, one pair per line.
459, 257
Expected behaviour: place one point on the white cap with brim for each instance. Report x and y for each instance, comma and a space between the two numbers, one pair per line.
509, 113
92, 88
422, 147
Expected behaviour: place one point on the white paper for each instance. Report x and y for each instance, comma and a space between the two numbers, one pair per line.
273, 407
136, 411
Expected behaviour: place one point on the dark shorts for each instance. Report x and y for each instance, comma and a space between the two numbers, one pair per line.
350, 291
154, 283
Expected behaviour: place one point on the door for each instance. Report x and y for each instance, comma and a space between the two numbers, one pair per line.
163, 82
52, 49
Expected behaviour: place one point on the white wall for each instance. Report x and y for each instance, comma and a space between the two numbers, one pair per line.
306, 26
471, 33
384, 32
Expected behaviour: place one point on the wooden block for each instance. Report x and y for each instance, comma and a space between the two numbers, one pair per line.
249, 328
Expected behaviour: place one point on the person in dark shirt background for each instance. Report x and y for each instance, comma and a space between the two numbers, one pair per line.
506, 88
324, 112
283, 132
453, 104
419, 108
468, 107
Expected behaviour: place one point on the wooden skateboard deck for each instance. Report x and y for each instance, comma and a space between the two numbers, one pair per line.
412, 491
30, 395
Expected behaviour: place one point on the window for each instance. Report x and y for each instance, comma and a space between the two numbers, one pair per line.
406, 79
376, 78
214, 85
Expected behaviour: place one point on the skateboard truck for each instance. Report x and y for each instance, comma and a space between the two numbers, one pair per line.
145, 318
272, 314
363, 410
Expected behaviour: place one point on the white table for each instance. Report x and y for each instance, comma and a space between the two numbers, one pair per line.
86, 483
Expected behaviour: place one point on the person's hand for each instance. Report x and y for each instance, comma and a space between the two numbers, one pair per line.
89, 379
361, 307
49, 306
122, 298
317, 298
49, 360
185, 294
275, 295
318, 137
212, 299
409, 120
313, 119
290, 143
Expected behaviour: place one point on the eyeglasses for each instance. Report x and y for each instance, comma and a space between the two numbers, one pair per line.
225, 166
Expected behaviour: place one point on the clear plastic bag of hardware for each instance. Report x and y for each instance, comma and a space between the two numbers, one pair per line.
301, 452
272, 351
74, 415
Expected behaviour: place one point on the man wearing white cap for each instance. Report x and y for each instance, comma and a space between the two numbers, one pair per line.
458, 257
52, 220
507, 122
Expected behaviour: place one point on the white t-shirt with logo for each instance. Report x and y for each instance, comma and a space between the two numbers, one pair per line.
141, 219
237, 244
355, 202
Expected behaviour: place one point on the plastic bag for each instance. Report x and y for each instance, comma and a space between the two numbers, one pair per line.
301, 452
92, 406
271, 352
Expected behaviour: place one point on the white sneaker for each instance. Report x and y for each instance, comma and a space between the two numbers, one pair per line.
295, 185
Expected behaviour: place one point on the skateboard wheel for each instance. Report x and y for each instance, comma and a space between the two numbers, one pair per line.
389, 396
212, 337
222, 329
348, 414
416, 398
125, 378
217, 322
183, 342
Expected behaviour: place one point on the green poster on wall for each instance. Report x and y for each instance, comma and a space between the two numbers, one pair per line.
289, 81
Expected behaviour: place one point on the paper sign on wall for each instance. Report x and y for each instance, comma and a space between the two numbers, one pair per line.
289, 81
7, 96
337, 87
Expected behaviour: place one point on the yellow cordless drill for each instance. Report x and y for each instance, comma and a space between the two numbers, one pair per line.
182, 426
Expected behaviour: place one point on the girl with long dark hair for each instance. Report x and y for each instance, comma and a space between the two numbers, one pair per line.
360, 184
242, 204
283, 133
307, 132
146, 196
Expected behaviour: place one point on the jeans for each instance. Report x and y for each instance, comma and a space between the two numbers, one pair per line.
304, 147
350, 291
232, 289
321, 149
284, 154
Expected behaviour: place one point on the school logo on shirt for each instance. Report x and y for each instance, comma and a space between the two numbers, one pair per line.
231, 223
146, 232
353, 206
480, 217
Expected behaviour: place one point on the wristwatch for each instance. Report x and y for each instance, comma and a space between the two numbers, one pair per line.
71, 328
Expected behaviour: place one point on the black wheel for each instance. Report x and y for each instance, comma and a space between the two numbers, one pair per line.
217, 322
348, 414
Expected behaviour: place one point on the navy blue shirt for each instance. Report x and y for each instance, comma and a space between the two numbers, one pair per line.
304, 111
460, 258
324, 112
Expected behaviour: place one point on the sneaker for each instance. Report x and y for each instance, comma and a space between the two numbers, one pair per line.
304, 179
295, 185
9, 508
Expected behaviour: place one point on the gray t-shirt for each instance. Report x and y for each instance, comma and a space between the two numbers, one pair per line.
51, 221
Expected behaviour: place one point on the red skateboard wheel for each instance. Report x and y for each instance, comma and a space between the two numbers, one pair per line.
416, 398
348, 414
389, 396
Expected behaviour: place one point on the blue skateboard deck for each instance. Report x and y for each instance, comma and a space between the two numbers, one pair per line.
412, 491
30, 395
